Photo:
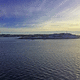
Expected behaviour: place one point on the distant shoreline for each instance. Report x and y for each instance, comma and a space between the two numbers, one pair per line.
43, 36
51, 36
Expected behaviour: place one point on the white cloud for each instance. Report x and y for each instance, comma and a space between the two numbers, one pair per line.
65, 18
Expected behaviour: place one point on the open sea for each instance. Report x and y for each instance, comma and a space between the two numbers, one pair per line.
22, 59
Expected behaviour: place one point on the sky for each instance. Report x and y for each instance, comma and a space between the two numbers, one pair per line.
39, 16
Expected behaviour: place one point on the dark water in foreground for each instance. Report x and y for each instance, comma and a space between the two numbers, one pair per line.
39, 59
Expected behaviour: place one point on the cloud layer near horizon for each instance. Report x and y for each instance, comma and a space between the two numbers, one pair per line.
39, 15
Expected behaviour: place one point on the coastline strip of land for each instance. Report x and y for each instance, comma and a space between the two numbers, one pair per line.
43, 36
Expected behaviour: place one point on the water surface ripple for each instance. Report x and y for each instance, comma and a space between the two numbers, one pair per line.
39, 59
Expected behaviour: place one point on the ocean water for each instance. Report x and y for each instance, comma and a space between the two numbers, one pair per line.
22, 59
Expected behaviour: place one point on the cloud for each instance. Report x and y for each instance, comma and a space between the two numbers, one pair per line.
40, 15
23, 14
22, 9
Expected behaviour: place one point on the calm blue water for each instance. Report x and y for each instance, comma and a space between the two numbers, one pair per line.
39, 59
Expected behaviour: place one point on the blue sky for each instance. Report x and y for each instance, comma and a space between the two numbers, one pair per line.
34, 16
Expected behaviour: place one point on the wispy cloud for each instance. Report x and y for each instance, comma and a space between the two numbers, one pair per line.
40, 15
22, 9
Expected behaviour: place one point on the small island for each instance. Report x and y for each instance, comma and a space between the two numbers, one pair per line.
51, 36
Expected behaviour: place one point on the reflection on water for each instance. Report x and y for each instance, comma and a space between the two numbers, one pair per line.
39, 59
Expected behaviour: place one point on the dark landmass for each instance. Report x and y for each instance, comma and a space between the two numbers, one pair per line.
11, 35
43, 36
